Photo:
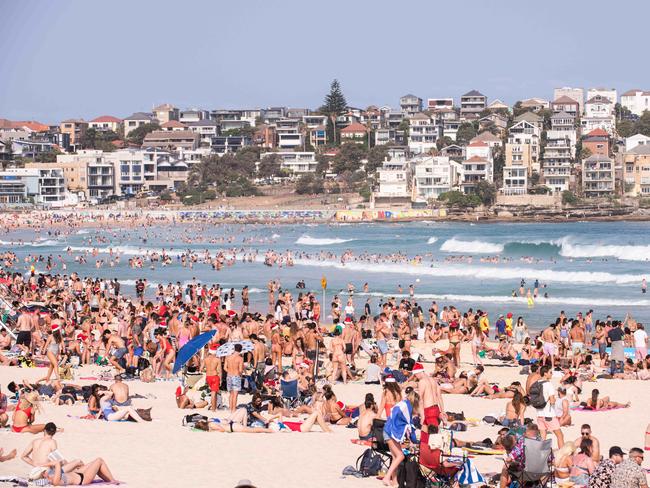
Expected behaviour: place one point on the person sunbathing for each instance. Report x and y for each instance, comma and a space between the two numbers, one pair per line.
78, 473
25, 414
460, 386
603, 403
308, 424
112, 412
229, 427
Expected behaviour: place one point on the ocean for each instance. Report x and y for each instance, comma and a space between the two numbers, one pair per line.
579, 265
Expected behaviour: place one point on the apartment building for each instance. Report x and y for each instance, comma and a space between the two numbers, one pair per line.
410, 104
229, 144
171, 140
105, 123
636, 140
575, 94
394, 184
75, 129
558, 163
440, 103
289, 134
434, 175
472, 104
566, 104
524, 141
423, 133
597, 176
166, 112
295, 162
136, 120
636, 101
636, 171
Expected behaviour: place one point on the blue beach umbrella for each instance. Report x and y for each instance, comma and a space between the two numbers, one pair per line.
186, 352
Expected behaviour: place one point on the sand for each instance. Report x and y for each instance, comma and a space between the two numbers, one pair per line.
165, 454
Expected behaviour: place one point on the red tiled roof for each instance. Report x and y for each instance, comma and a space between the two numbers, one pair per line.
19, 124
354, 128
477, 144
476, 159
598, 133
107, 118
564, 99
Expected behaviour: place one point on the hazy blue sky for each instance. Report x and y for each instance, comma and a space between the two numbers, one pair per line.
86, 58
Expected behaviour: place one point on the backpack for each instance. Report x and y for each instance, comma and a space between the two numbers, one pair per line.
369, 463
409, 475
536, 395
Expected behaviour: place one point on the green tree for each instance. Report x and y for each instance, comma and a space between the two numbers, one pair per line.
309, 184
585, 152
569, 198
546, 115
625, 128
486, 191
517, 109
642, 125
376, 156
444, 141
349, 158
137, 135
466, 132
269, 166
459, 199
333, 106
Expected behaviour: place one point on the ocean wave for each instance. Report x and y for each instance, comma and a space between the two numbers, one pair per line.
471, 247
275, 236
627, 253
82, 232
432, 240
306, 240
513, 274
450, 297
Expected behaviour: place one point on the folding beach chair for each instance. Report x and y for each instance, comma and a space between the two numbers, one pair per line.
537, 471
378, 444
290, 393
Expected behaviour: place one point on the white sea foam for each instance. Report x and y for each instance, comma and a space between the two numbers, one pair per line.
627, 253
306, 240
432, 240
471, 247
124, 250
275, 236
482, 272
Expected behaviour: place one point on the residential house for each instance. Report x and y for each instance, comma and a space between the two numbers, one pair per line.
371, 117
434, 175
166, 112
393, 119
524, 141
597, 176
397, 152
597, 141
30, 148
205, 128
129, 171
173, 125
423, 133
557, 163
295, 162
636, 101
251, 115
289, 134
440, 103
575, 94
636, 140
453, 151
394, 179
75, 167
493, 141
495, 121
609, 93
636, 170
515, 180
105, 123
136, 120
229, 144
318, 136
75, 128
566, 104
355, 132
562, 126
297, 113
271, 115
498, 105
193, 115
314, 120
5, 152
532, 118
171, 140
472, 104
410, 104
534, 104
265, 136
475, 170
599, 114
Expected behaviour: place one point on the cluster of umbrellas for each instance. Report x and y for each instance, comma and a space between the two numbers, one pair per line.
186, 352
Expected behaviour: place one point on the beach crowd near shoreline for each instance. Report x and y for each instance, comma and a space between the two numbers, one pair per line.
76, 349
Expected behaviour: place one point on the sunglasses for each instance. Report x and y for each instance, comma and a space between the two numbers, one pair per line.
585, 433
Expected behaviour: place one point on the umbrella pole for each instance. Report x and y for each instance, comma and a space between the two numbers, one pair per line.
316, 361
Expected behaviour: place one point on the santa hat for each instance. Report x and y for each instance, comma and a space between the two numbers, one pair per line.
213, 348
418, 368
231, 313
55, 327
389, 379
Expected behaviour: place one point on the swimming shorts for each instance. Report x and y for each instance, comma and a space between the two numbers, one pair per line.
431, 417
119, 353
382, 345
24, 338
576, 347
549, 348
213, 382
233, 383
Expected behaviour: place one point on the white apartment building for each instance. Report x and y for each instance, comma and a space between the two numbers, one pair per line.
557, 164
636, 101
609, 93
434, 175
295, 162
42, 186
394, 179
129, 170
289, 134
515, 180
410, 104
525, 132
597, 176
423, 133
636, 140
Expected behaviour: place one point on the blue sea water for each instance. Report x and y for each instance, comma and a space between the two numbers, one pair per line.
579, 265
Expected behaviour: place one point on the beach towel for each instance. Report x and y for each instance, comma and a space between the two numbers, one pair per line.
591, 409
16, 480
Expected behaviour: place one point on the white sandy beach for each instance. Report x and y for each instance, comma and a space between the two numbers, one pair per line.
165, 454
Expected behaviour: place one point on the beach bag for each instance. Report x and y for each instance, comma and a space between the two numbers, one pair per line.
193, 418
536, 395
409, 475
369, 463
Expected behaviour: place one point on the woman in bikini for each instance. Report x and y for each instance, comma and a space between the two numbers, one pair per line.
583, 464
25, 414
564, 460
339, 367
476, 338
52, 349
165, 354
78, 473
603, 403
455, 340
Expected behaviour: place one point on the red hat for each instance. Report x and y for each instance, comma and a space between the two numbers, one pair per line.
231, 313
509, 315
213, 348
418, 368
55, 327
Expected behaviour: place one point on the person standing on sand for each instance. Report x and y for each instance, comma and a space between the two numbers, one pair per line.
234, 367
549, 338
382, 332
212, 376
546, 419
431, 408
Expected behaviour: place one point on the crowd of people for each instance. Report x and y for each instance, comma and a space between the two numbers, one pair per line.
291, 359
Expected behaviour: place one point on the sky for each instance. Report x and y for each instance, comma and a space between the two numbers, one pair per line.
86, 58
